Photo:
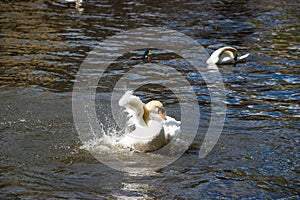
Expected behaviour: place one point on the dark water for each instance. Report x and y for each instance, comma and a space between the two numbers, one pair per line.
43, 44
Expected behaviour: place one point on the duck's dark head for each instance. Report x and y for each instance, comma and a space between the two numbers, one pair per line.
147, 53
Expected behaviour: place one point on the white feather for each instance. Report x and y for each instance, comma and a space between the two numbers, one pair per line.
243, 56
225, 55
134, 106
145, 138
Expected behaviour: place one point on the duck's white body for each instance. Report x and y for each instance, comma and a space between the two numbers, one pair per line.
147, 136
225, 55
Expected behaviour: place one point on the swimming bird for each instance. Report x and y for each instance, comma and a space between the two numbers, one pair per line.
225, 55
142, 113
145, 55
153, 129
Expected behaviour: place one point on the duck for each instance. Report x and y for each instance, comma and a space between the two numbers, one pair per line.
225, 56
145, 55
152, 128
78, 5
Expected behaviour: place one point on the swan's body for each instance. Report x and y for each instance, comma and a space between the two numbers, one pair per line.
225, 55
144, 139
153, 129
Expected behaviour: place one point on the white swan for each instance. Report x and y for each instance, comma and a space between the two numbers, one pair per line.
225, 55
142, 113
153, 129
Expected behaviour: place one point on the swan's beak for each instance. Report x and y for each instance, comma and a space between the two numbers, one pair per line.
161, 112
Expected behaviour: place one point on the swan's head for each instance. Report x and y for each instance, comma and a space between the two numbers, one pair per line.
155, 107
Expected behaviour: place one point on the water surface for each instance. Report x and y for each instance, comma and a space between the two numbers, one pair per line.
43, 44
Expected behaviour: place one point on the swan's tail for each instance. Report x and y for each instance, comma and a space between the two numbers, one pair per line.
242, 57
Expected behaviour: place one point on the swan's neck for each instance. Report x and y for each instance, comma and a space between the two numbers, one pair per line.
146, 115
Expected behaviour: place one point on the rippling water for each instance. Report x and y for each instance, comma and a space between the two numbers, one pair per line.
43, 44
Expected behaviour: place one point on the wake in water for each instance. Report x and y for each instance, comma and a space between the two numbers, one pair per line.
161, 136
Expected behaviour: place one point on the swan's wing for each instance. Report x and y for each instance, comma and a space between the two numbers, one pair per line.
133, 104
224, 59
